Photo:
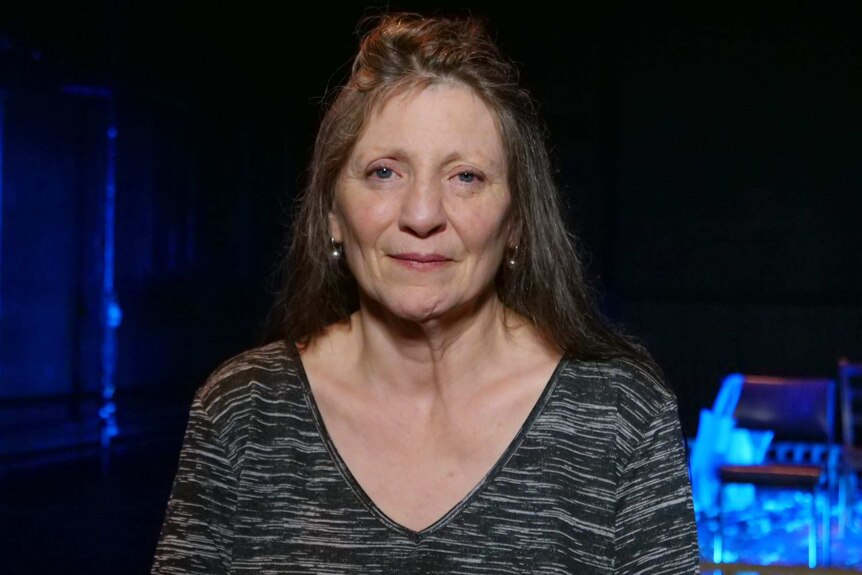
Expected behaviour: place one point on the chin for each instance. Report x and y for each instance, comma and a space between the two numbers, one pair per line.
421, 305
419, 312
415, 305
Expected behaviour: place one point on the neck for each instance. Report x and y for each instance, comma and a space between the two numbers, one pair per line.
432, 355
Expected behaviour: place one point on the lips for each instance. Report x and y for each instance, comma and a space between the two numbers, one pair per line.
421, 262
421, 258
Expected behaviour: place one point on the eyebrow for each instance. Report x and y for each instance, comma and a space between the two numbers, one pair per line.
401, 153
482, 159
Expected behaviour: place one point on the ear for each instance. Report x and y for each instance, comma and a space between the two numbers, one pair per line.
335, 226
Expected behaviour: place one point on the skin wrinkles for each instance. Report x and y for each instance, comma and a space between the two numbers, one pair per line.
427, 176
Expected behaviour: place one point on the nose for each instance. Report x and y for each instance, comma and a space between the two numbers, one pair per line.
422, 211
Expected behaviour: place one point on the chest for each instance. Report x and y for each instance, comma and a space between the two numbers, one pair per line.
546, 504
416, 463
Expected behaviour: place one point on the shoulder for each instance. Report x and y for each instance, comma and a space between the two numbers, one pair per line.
262, 371
635, 392
628, 400
641, 383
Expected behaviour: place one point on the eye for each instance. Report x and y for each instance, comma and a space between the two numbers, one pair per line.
382, 173
468, 177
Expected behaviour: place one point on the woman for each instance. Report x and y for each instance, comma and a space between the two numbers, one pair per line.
443, 396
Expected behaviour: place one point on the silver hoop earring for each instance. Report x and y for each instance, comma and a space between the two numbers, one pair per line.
335, 249
512, 260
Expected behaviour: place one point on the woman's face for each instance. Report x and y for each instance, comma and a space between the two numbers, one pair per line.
422, 204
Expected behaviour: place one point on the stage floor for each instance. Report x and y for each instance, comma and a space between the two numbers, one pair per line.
774, 530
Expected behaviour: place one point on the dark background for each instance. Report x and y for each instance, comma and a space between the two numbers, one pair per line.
710, 157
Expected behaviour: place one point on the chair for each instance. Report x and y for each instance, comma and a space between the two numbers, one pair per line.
797, 410
850, 394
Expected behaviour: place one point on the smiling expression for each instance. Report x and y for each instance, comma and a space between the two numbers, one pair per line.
422, 205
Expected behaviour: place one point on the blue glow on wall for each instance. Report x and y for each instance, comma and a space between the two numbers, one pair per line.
2, 132
60, 311
112, 314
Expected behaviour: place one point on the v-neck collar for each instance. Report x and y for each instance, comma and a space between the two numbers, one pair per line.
360, 493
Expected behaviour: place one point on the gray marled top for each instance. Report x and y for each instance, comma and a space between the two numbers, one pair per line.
595, 482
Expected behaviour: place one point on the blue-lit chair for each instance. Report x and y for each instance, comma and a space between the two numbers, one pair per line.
850, 392
801, 414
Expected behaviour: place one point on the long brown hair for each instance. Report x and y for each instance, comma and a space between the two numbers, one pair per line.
546, 284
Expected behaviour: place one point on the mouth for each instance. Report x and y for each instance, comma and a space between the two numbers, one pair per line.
421, 261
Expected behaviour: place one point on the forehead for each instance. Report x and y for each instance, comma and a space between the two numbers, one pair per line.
430, 117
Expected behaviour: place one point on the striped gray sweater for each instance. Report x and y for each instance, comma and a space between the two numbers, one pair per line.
595, 482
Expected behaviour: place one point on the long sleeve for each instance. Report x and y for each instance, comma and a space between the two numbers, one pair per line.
655, 531
196, 535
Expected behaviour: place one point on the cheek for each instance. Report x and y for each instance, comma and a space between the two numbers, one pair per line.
482, 233
365, 223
